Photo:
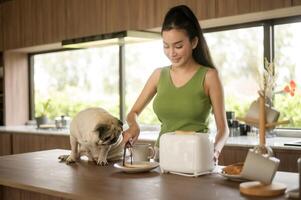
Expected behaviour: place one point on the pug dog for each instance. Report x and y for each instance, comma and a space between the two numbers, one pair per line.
96, 134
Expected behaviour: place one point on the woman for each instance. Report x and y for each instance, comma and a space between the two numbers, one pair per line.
187, 90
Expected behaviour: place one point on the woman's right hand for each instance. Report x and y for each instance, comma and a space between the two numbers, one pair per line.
131, 134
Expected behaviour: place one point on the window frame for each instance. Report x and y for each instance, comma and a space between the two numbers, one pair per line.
268, 37
268, 49
121, 78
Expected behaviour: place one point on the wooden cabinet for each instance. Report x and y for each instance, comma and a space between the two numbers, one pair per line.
5, 144
296, 2
24, 142
14, 143
35, 22
11, 16
232, 154
288, 157
1, 29
1, 89
85, 18
206, 9
236, 7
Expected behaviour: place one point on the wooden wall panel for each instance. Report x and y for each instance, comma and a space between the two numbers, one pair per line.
260, 5
11, 24
36, 22
296, 2
141, 14
85, 18
1, 29
29, 18
53, 18
46, 20
288, 159
2, 102
227, 7
161, 7
230, 155
235, 7
33, 22
16, 88
117, 15
5, 144
25, 142
206, 9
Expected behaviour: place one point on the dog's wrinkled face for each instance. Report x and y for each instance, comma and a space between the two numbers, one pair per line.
109, 133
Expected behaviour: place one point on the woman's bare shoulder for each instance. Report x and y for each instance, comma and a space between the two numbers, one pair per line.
212, 76
157, 71
212, 73
212, 79
156, 74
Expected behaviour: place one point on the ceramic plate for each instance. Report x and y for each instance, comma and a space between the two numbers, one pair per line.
237, 178
136, 167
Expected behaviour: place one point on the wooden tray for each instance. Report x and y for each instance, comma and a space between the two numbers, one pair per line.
255, 188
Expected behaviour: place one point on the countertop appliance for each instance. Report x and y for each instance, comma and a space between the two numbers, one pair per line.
186, 154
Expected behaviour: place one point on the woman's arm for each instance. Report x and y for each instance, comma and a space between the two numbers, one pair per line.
148, 92
214, 89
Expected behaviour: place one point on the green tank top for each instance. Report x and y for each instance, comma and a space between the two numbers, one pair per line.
183, 108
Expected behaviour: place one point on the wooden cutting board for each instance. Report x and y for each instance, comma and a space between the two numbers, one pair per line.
255, 188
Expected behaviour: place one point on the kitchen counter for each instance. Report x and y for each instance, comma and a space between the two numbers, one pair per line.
39, 175
23, 139
274, 142
151, 136
148, 136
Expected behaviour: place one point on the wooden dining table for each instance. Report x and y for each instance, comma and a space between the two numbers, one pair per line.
40, 175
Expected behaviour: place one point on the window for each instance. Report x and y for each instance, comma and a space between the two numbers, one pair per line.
237, 55
288, 68
238, 52
90, 77
141, 60
73, 80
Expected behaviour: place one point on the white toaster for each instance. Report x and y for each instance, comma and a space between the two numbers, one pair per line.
186, 154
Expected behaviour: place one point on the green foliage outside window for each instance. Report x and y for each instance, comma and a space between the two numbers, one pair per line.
290, 105
65, 105
236, 54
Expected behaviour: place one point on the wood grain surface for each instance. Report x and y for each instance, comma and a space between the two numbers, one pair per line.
24, 143
255, 188
16, 88
5, 144
40, 172
1, 29
35, 22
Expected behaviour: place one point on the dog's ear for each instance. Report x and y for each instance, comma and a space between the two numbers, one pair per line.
120, 123
101, 129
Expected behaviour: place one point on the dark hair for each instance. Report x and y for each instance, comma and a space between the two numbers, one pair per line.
181, 17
